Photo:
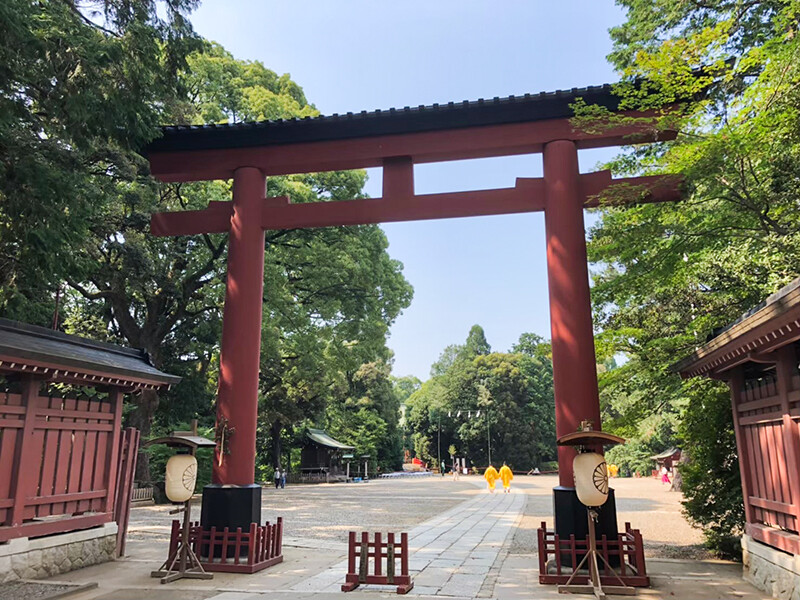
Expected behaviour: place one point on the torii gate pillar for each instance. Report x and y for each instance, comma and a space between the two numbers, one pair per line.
572, 335
233, 500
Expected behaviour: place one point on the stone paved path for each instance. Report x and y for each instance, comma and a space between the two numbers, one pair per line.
451, 554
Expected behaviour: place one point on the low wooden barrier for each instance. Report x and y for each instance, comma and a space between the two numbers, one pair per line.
627, 551
226, 551
377, 550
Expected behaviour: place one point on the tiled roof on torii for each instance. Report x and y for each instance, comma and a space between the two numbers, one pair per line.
423, 118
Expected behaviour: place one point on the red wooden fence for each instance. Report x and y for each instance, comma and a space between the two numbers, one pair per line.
58, 458
378, 550
627, 550
767, 419
128, 452
235, 551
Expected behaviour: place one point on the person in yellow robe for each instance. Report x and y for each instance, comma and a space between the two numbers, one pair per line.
491, 475
506, 476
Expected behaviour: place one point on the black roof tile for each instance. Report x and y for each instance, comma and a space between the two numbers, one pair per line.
453, 115
32, 343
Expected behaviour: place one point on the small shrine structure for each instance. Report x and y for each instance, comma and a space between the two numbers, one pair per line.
757, 355
322, 457
668, 458
66, 465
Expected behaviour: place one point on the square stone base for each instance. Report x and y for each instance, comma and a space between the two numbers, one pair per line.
771, 570
23, 558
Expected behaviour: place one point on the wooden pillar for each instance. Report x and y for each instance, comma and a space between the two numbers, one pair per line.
26, 464
736, 384
785, 367
237, 402
574, 363
113, 450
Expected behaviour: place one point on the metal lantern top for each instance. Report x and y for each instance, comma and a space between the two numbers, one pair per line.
587, 436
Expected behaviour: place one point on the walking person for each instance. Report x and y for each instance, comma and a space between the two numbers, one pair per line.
491, 475
442, 467
506, 475
665, 476
283, 478
277, 477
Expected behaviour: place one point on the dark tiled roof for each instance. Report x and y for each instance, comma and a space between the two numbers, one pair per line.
453, 115
29, 343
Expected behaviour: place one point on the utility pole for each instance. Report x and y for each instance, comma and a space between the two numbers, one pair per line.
488, 436
439, 442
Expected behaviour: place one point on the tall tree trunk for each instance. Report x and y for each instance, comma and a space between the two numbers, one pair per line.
276, 443
142, 418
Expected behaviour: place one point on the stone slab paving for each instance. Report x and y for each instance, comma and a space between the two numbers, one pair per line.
451, 554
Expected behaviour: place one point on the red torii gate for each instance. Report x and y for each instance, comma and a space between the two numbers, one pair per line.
396, 140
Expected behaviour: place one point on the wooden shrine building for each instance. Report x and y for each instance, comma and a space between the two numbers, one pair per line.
322, 456
758, 357
66, 465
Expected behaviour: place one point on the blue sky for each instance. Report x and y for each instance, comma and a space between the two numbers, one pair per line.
353, 55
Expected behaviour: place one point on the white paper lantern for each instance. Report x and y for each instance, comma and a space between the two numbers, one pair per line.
591, 478
181, 477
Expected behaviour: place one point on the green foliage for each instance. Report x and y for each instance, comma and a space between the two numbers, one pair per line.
476, 395
711, 481
77, 99
669, 274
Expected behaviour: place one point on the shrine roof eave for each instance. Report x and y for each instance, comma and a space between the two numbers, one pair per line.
751, 338
67, 358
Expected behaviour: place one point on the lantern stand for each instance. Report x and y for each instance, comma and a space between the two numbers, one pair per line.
586, 440
188, 565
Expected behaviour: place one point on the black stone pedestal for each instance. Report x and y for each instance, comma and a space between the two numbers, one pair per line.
230, 506
571, 518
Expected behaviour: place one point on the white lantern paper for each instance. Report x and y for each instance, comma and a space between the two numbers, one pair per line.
591, 478
181, 477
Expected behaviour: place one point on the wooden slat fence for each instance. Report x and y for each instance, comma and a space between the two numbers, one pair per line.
375, 561
760, 414
58, 460
236, 551
627, 551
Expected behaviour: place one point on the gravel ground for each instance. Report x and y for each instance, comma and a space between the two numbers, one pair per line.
645, 503
328, 511
32, 591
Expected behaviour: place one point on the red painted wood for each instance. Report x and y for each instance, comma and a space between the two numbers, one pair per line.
237, 401
65, 447
786, 368
398, 178
113, 462
47, 480
400, 204
89, 458
26, 475
783, 540
128, 452
572, 334
39, 528
746, 466
365, 152
8, 445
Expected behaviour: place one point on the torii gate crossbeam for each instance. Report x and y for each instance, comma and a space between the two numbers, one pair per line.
396, 140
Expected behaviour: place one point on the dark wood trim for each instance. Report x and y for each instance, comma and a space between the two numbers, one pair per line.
777, 538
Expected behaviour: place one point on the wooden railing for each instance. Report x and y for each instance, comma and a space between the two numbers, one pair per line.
626, 553
233, 551
58, 459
